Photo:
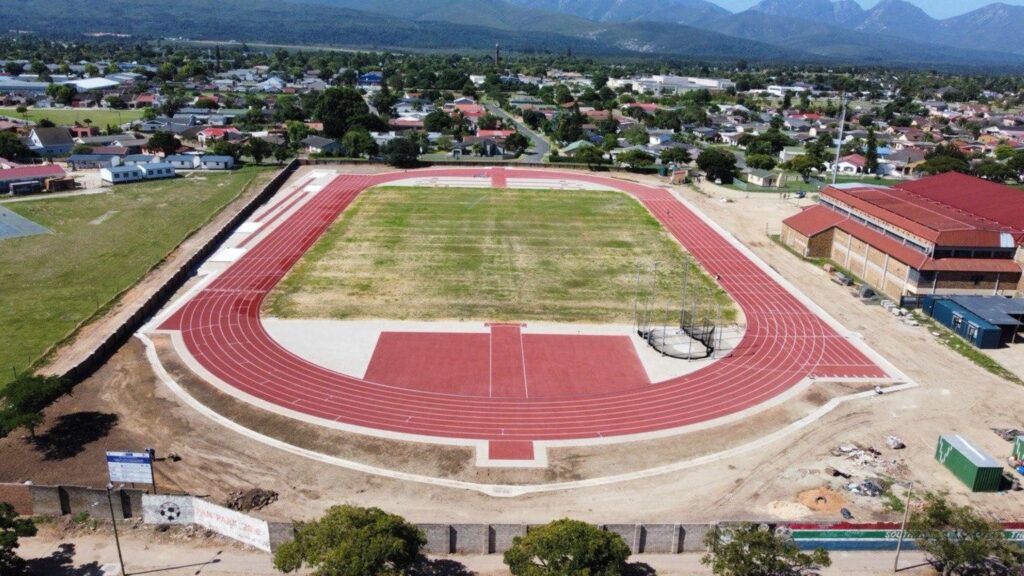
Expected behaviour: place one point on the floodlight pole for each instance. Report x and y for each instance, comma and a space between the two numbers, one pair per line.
839, 145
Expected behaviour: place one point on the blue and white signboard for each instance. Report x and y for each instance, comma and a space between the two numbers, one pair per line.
134, 467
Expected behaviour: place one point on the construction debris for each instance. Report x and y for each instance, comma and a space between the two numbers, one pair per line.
894, 443
252, 499
870, 487
836, 473
1008, 434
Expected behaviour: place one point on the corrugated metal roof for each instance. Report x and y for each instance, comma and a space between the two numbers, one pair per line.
813, 221
43, 171
995, 309
975, 455
973, 265
996, 203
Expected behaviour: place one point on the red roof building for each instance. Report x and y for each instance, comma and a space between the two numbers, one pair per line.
947, 234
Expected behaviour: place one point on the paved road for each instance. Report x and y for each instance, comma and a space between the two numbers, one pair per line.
540, 145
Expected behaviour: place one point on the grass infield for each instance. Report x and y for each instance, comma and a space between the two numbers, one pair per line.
101, 245
480, 254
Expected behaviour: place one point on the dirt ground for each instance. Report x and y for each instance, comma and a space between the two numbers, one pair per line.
954, 396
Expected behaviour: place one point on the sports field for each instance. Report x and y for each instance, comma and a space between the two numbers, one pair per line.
486, 254
100, 117
100, 245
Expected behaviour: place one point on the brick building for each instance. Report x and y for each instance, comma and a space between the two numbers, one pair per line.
946, 234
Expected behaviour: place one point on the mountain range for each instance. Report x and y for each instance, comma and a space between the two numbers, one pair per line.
893, 32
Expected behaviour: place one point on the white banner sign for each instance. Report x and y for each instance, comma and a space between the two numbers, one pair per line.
130, 467
245, 529
160, 509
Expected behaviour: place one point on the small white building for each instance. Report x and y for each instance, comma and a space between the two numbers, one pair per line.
216, 162
183, 161
157, 170
121, 174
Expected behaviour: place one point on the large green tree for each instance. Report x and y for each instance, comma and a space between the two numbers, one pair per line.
24, 399
164, 142
358, 143
402, 152
567, 547
341, 109
750, 550
352, 541
12, 148
718, 164
11, 529
959, 541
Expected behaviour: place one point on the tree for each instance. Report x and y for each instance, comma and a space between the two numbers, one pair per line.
62, 93
340, 109
533, 119
358, 143
281, 154
517, 143
761, 161
635, 159
12, 148
11, 528
636, 135
165, 142
959, 541
718, 164
589, 155
804, 164
258, 149
225, 148
1015, 163
402, 152
676, 155
943, 164
1004, 152
24, 400
487, 122
787, 100
437, 121
565, 547
871, 153
21, 110
352, 541
995, 171
750, 550
297, 131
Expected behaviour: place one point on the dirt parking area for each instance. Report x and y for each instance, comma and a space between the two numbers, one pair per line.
137, 411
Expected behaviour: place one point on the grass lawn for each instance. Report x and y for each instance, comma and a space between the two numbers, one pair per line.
481, 254
101, 245
68, 116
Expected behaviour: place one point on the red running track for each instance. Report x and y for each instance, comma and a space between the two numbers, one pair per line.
785, 342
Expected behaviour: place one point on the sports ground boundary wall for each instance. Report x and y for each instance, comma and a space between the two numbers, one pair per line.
159, 298
464, 539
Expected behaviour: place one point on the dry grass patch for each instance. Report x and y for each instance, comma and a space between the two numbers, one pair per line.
429, 254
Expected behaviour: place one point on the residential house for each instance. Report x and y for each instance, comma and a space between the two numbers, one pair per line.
765, 178
207, 136
50, 142
320, 145
851, 164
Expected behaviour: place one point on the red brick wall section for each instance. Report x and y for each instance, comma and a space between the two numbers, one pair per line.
18, 495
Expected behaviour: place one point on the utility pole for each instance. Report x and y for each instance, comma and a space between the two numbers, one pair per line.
903, 528
117, 539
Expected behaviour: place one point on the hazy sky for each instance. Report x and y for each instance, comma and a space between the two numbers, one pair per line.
937, 8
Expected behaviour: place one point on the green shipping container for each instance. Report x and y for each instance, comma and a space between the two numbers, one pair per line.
979, 471
1018, 448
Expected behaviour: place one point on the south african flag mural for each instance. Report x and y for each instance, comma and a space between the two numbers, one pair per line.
866, 536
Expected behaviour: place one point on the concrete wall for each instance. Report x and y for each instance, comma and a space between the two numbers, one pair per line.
32, 500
